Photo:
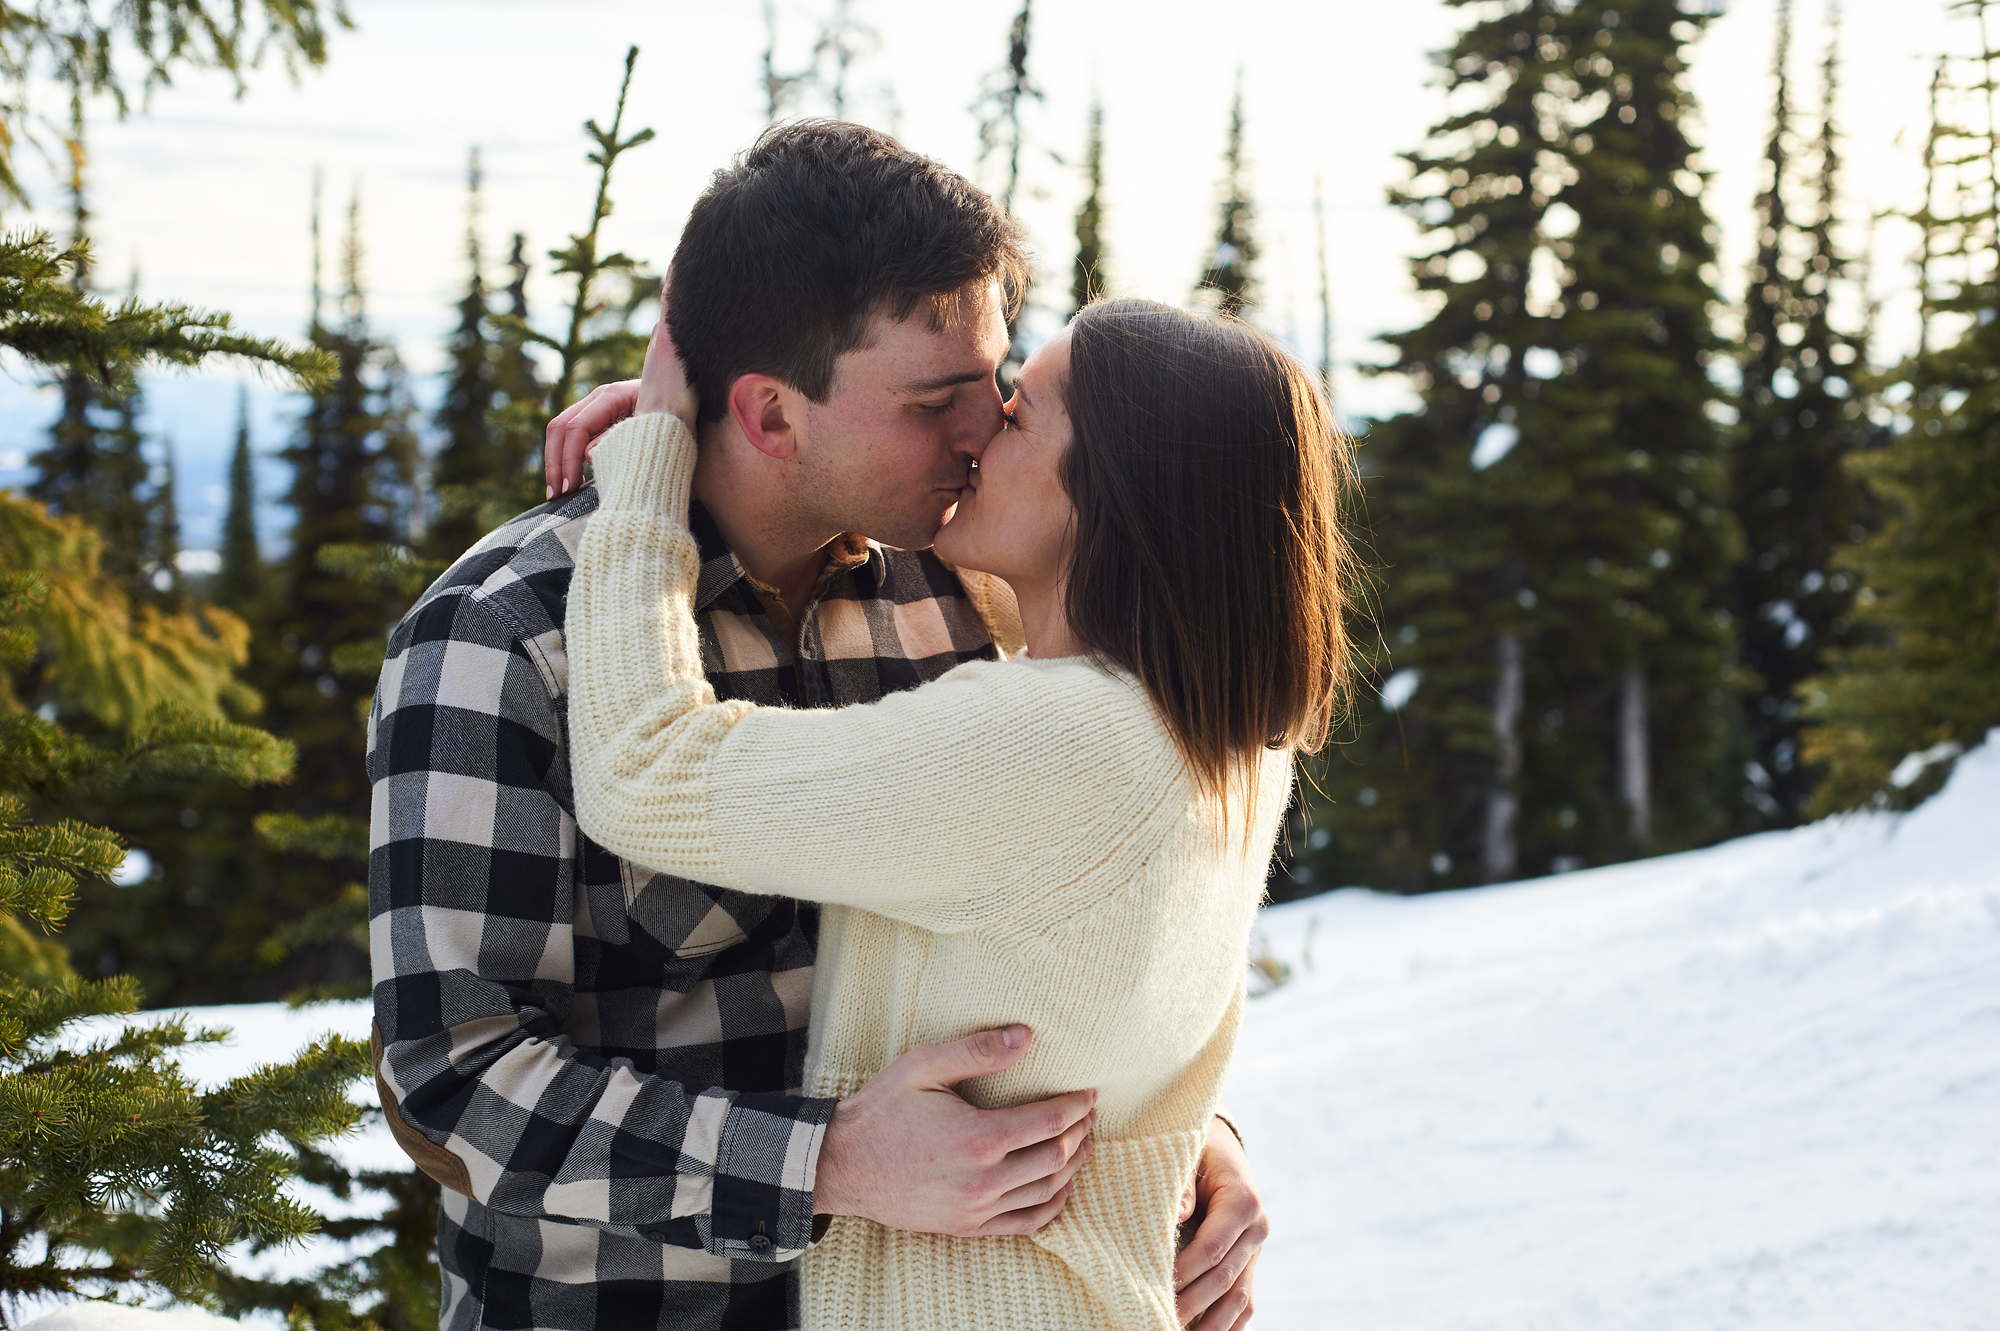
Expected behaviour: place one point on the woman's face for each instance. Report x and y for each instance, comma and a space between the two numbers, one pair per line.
1013, 518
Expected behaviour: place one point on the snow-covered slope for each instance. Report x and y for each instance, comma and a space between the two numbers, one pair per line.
1756, 1086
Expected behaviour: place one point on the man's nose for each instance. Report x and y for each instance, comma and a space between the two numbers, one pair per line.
979, 427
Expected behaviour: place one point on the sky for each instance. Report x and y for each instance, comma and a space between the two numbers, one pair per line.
207, 197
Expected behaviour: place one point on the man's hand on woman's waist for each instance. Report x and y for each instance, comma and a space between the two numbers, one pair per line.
908, 1152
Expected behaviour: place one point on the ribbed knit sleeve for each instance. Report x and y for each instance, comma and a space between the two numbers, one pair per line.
982, 795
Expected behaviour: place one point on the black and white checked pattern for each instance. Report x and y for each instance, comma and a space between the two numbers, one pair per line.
602, 1063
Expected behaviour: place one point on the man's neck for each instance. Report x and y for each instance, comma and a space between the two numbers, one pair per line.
744, 492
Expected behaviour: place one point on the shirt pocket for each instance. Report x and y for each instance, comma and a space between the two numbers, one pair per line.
691, 919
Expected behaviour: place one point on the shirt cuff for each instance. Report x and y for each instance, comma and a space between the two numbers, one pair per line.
764, 1177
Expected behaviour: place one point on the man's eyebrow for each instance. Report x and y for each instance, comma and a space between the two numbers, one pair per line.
948, 381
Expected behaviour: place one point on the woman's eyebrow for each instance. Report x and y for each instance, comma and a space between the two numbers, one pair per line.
1022, 393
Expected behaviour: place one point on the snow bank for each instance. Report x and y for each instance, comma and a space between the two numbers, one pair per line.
1751, 1086
117, 1317
1756, 1086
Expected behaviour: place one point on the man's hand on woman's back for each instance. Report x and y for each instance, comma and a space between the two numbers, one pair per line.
907, 1152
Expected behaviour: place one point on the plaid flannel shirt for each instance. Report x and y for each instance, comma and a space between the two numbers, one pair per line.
601, 1063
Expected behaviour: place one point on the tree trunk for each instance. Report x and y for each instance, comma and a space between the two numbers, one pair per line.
1503, 804
1634, 779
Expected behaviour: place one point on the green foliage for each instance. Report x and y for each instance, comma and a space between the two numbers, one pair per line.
100, 655
1229, 275
600, 344
471, 456
1552, 524
117, 1174
46, 319
240, 580
393, 1288
113, 51
1919, 682
344, 918
1796, 502
1924, 676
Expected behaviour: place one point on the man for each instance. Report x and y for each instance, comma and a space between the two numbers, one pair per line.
597, 1062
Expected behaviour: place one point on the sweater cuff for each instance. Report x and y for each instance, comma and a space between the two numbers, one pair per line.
645, 464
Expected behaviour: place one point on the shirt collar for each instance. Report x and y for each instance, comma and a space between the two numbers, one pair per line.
720, 569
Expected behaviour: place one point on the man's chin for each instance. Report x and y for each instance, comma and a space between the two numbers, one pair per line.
919, 535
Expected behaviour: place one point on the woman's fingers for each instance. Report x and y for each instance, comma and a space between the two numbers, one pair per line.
576, 430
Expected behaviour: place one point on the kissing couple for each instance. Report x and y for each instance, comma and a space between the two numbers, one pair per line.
812, 865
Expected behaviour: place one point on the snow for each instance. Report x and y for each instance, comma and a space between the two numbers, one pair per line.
118, 1317
1755, 1086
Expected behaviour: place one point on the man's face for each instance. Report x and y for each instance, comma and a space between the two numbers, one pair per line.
910, 410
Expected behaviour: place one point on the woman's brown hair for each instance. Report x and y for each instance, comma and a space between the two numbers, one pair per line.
1209, 560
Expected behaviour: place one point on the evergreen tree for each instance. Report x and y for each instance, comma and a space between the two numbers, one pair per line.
1793, 498
1087, 280
1428, 794
120, 1176
116, 1175
1551, 524
471, 459
94, 466
1229, 274
1920, 682
1642, 558
240, 579
1325, 292
165, 542
600, 345
351, 494
1003, 95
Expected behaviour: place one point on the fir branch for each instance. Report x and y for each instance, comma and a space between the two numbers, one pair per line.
46, 318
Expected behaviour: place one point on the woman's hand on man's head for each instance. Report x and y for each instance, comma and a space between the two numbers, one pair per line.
661, 386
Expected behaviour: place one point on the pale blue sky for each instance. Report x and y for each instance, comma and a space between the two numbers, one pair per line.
208, 197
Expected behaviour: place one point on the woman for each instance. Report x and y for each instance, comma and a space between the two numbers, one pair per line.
1075, 840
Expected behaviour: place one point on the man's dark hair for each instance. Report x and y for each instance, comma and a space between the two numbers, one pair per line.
794, 247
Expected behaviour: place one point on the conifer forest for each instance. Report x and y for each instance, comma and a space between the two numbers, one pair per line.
1650, 567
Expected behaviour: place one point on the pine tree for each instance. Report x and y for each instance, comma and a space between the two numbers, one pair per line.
1792, 496
240, 580
165, 537
1003, 95
1641, 561
94, 466
1087, 275
1551, 524
1428, 793
470, 460
1920, 683
1231, 264
600, 345
119, 1177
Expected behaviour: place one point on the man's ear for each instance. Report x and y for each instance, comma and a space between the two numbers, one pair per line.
766, 411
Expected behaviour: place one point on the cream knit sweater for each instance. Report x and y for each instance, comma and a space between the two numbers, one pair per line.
1015, 842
